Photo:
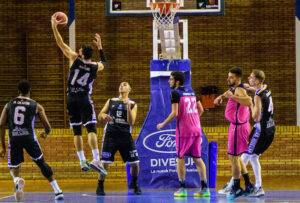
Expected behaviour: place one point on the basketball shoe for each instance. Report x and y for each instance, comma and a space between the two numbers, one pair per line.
19, 194
98, 166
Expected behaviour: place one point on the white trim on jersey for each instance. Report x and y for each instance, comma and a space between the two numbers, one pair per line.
133, 162
22, 97
89, 122
91, 87
76, 123
36, 159
32, 126
107, 162
103, 139
14, 166
88, 62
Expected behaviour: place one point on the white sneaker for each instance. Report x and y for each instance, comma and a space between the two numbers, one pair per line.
226, 190
98, 166
257, 192
84, 165
59, 196
19, 194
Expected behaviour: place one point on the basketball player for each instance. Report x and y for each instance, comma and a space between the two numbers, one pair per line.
120, 114
263, 131
237, 113
80, 107
186, 109
20, 115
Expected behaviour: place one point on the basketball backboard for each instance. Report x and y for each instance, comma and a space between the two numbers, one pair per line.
142, 7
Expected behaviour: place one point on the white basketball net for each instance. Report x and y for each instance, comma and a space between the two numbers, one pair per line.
163, 16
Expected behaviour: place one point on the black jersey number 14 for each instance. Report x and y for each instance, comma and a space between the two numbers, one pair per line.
82, 80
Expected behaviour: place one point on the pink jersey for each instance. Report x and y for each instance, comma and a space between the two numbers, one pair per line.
187, 121
238, 115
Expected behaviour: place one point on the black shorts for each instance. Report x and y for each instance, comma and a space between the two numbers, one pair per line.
112, 142
80, 110
259, 141
16, 154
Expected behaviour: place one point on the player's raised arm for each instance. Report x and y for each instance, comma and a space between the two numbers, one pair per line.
98, 43
68, 52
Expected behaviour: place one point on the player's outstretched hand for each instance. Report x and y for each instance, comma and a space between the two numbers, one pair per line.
97, 41
160, 126
42, 134
54, 21
249, 88
107, 118
218, 101
2, 152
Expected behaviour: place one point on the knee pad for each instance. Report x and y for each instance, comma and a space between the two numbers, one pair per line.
77, 130
45, 168
91, 128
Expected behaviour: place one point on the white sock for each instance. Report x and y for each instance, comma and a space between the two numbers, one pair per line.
16, 179
230, 184
256, 169
55, 187
81, 156
96, 154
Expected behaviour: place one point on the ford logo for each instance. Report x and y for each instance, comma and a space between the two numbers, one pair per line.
162, 141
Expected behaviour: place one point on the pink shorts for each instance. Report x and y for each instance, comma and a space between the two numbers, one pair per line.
238, 137
190, 146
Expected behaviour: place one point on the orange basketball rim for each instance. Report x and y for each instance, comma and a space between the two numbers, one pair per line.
164, 7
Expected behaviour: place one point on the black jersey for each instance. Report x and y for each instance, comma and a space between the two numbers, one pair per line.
266, 118
118, 111
21, 116
81, 77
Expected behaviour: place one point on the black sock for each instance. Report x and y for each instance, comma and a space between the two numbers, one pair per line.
182, 183
133, 181
247, 179
100, 182
203, 184
236, 184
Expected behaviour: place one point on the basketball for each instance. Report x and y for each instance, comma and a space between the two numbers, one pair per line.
60, 16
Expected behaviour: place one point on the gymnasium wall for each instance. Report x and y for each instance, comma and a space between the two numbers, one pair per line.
282, 158
251, 34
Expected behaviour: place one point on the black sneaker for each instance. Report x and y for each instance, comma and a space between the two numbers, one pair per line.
100, 190
234, 193
249, 189
136, 189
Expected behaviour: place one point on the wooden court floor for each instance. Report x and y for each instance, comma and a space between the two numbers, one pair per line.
278, 183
